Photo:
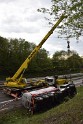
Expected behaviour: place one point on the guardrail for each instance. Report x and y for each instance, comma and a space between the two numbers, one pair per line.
69, 76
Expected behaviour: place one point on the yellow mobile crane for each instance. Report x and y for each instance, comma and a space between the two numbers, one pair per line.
17, 82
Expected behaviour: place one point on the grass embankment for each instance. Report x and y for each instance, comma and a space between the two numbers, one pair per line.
70, 112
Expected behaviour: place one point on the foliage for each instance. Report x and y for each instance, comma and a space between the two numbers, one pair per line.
4, 53
72, 26
67, 62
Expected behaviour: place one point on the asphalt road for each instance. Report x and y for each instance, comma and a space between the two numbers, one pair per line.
78, 82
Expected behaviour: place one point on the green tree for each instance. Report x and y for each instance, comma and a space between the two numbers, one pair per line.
41, 63
59, 61
72, 26
74, 62
4, 46
19, 50
65, 62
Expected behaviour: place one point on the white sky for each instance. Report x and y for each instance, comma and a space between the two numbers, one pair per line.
20, 19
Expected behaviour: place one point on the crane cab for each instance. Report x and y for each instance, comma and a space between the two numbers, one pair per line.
17, 83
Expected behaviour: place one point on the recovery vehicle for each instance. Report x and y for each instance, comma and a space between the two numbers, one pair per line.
17, 84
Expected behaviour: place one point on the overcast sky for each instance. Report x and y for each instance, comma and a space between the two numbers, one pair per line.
20, 19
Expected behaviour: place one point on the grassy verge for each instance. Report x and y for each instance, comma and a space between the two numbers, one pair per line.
70, 112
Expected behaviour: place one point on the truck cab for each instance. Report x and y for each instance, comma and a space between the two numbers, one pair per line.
55, 80
50, 80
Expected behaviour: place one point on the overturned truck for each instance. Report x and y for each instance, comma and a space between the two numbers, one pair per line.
47, 97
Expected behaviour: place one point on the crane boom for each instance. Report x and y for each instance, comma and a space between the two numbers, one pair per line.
26, 62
